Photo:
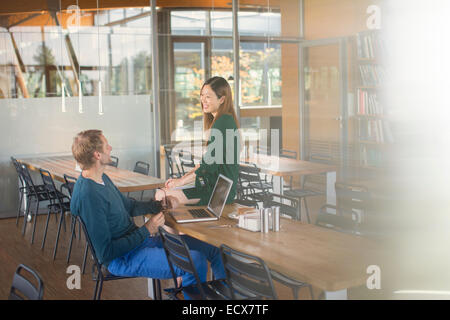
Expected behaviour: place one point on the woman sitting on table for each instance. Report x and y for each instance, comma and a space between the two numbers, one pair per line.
219, 119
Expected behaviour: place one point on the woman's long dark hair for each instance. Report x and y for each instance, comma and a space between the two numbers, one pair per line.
221, 88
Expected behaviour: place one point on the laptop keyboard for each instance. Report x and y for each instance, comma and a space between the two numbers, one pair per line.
199, 213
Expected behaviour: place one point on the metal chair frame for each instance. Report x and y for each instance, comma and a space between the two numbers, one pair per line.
22, 287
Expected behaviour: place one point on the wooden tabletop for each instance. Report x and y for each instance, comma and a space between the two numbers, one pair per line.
324, 258
280, 166
125, 180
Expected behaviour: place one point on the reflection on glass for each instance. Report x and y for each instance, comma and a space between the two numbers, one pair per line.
260, 71
189, 78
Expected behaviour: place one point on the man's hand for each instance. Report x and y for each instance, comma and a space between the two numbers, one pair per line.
154, 222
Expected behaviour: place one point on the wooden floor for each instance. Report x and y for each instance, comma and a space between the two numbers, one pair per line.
17, 249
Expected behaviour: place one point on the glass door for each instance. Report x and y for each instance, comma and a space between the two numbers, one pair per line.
324, 104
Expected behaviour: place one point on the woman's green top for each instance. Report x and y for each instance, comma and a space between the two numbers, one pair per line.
221, 157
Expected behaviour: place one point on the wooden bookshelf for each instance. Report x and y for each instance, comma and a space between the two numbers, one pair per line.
373, 133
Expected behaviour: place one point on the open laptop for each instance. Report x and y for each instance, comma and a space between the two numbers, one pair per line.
215, 205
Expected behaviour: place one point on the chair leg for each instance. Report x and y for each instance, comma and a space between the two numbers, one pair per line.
156, 284
25, 217
20, 207
99, 294
57, 234
45, 230
311, 292
72, 234
295, 292
307, 211
96, 288
34, 222
299, 210
83, 268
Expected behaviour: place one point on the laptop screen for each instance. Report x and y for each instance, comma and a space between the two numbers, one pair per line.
219, 195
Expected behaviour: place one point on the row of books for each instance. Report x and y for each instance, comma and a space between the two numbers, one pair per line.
369, 45
368, 103
371, 157
371, 75
377, 131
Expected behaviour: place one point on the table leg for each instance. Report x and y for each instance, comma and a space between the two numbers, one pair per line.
331, 192
151, 290
336, 295
278, 184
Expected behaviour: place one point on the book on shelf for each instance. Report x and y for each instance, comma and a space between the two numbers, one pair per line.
369, 45
375, 131
371, 75
368, 103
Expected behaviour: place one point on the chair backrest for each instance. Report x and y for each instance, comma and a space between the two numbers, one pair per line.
335, 221
114, 162
285, 153
26, 178
70, 183
50, 186
171, 163
249, 173
18, 170
23, 289
178, 255
186, 160
288, 205
352, 200
142, 167
247, 275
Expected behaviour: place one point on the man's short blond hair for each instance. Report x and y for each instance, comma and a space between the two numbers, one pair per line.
84, 145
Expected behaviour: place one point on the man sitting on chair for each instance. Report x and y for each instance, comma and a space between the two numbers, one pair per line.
119, 244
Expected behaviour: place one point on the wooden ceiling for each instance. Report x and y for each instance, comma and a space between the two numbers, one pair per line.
35, 6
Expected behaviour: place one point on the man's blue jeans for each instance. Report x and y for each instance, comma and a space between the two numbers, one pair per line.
149, 260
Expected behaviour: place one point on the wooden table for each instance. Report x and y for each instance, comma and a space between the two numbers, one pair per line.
326, 259
281, 167
125, 180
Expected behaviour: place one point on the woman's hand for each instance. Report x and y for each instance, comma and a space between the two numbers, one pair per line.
173, 183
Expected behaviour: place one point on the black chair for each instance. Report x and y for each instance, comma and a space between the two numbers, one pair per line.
34, 192
335, 221
295, 285
142, 168
251, 186
171, 163
248, 276
69, 185
290, 154
22, 188
310, 184
61, 205
352, 200
178, 255
114, 162
186, 161
101, 274
23, 289
288, 205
